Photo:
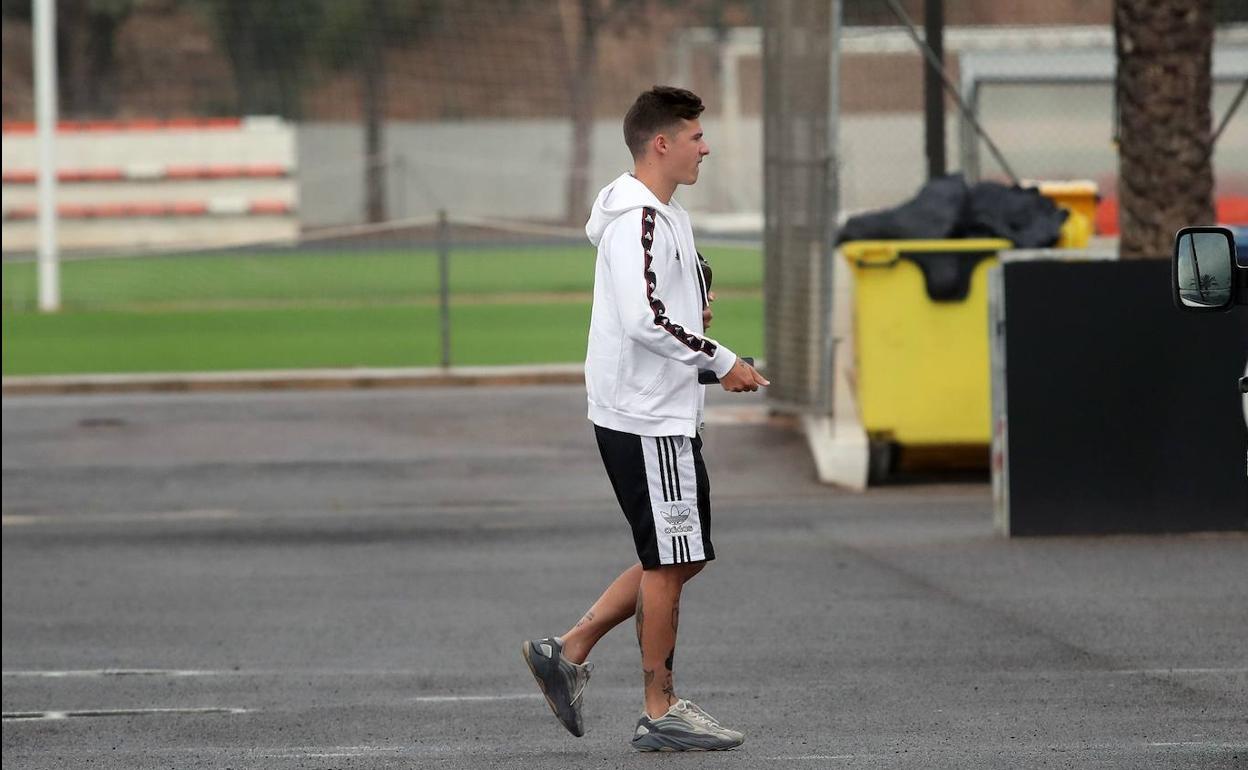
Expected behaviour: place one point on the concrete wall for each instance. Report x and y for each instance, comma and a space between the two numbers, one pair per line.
518, 169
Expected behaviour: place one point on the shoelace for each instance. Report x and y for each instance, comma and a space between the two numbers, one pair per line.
698, 715
705, 715
582, 678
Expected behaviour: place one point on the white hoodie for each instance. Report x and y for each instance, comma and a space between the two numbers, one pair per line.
646, 339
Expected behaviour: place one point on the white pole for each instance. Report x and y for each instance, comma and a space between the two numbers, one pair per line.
45, 120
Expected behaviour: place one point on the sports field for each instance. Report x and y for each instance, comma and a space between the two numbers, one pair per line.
306, 308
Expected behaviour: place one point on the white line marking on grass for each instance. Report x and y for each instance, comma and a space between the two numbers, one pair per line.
22, 520
36, 716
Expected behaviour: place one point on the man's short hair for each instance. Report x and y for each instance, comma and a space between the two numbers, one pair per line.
655, 110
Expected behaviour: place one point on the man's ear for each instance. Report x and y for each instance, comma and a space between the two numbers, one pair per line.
660, 144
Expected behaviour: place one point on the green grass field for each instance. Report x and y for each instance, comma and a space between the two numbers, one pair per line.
312, 277
329, 309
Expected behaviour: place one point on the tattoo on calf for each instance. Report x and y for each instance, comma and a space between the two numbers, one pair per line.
648, 678
589, 616
668, 688
639, 618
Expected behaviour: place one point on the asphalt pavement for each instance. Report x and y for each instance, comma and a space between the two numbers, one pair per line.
343, 579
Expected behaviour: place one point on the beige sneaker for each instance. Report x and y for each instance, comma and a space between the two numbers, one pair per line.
685, 727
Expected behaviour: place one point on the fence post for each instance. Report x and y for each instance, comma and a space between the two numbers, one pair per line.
444, 285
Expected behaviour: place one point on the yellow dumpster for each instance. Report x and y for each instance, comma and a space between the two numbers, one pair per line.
921, 337
1079, 197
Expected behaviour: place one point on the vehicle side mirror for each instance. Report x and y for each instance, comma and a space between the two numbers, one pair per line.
1204, 276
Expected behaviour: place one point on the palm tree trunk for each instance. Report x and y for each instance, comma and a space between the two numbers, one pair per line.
1163, 87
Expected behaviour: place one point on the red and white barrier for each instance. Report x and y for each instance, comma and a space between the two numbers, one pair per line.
151, 172
142, 183
214, 207
142, 125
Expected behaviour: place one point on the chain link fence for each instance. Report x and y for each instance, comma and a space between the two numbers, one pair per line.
259, 183
294, 155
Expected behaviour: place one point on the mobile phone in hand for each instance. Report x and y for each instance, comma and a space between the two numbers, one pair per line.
707, 377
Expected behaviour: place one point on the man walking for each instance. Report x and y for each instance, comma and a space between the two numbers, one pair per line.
646, 344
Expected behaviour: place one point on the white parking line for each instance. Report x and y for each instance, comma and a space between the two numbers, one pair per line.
111, 672
238, 673
1064, 748
1198, 745
158, 672
308, 752
25, 520
332, 752
816, 757
1156, 671
468, 698
40, 716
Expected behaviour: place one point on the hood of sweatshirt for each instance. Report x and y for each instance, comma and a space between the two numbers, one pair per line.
621, 196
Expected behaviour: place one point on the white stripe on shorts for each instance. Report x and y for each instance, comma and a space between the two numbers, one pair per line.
673, 484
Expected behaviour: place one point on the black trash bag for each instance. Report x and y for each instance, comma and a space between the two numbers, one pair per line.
1021, 215
935, 212
946, 207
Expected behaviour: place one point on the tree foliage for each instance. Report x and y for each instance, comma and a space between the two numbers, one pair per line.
86, 53
268, 45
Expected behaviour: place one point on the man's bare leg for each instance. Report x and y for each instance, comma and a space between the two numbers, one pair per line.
612, 608
657, 618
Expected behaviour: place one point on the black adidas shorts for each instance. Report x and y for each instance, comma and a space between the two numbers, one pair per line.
663, 488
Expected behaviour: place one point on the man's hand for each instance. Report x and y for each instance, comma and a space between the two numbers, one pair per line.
742, 378
706, 311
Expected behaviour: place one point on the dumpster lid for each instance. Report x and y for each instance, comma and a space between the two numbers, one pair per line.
886, 251
947, 264
1063, 187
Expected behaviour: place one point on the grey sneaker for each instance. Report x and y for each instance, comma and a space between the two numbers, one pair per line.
562, 681
685, 727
